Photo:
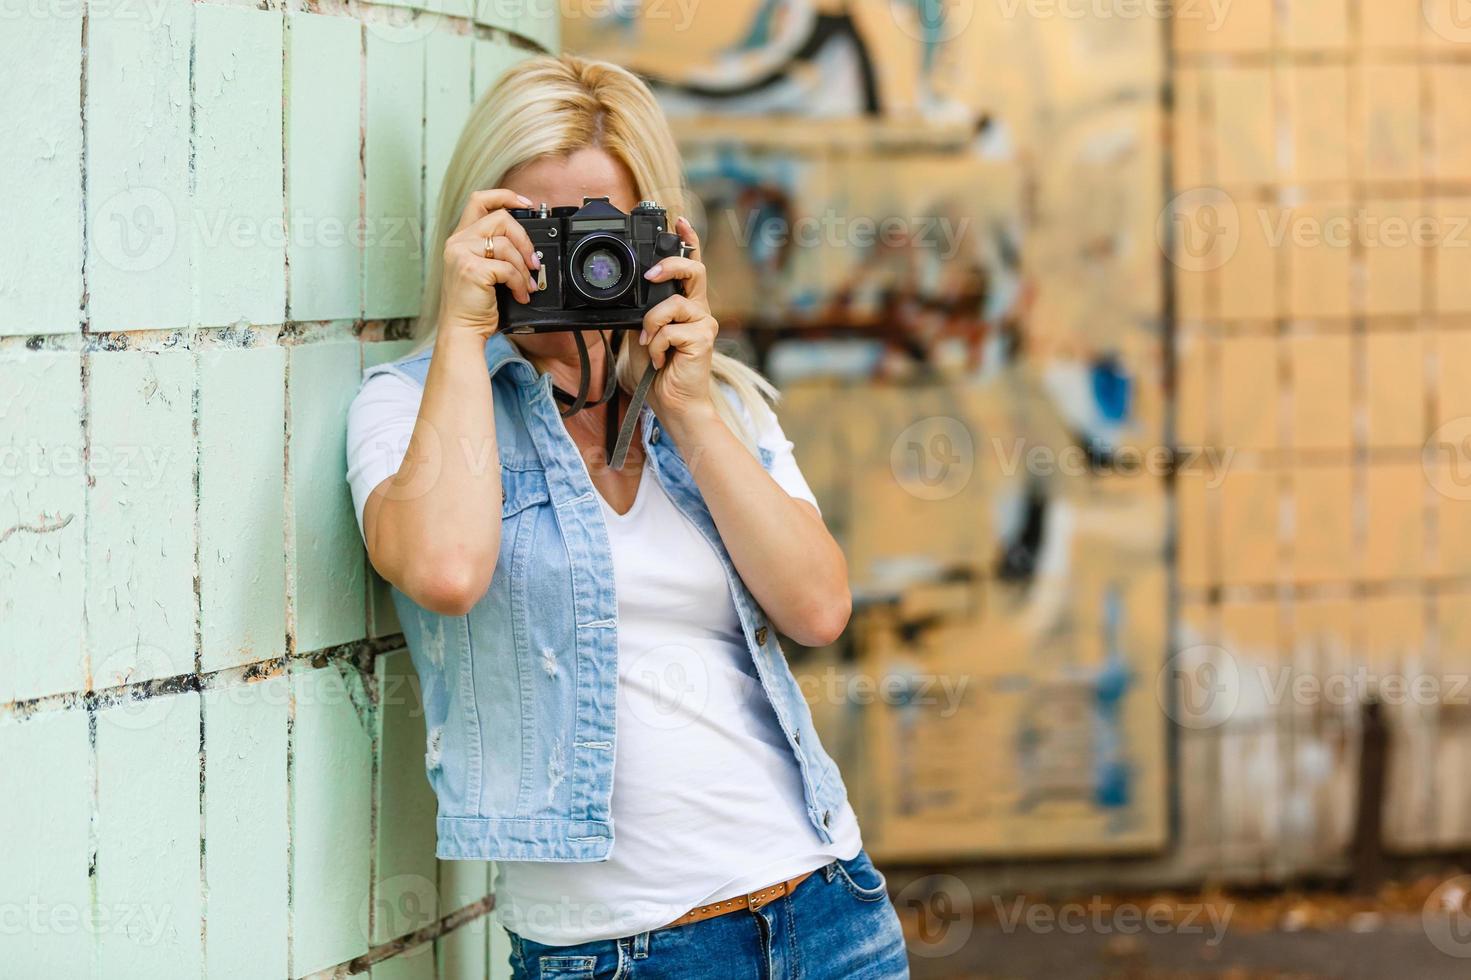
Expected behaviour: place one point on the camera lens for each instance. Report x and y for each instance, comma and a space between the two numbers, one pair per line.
602, 269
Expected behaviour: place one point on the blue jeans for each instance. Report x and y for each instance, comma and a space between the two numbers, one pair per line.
837, 925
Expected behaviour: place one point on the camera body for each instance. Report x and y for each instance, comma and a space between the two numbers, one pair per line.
593, 261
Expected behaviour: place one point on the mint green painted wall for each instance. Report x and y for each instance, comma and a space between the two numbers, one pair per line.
212, 742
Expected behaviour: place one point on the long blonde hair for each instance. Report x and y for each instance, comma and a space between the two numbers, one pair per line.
551, 107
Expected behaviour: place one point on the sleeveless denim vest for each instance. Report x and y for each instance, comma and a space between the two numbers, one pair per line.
519, 694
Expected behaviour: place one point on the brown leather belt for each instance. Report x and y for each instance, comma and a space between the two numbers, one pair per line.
753, 901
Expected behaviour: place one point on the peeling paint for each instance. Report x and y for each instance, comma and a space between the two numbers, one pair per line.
144, 553
358, 684
41, 288
44, 526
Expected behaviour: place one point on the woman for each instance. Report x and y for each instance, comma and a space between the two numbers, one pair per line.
545, 594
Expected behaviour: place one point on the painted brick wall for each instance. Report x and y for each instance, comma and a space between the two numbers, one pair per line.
1323, 277
212, 740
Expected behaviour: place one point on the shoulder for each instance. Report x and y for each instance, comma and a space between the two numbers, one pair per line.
384, 389
410, 369
755, 415
761, 430
769, 442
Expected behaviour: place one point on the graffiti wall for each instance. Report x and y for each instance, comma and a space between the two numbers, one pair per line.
934, 225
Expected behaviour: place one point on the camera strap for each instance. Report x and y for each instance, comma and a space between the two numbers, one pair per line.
619, 452
576, 403
619, 437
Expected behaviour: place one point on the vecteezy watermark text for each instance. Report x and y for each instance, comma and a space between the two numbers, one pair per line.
1212, 12
832, 229
1017, 455
1104, 916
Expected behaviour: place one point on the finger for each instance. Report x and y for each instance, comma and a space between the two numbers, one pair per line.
475, 268
689, 271
482, 203
505, 250
686, 232
675, 309
498, 272
501, 223
695, 339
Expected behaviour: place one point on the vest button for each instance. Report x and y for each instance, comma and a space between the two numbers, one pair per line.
761, 637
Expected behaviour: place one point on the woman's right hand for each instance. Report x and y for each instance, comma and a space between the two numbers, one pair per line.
467, 294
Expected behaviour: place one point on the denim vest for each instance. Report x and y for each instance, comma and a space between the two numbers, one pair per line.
520, 694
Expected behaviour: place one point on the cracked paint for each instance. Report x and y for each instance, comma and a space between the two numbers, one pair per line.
41, 288
154, 544
44, 526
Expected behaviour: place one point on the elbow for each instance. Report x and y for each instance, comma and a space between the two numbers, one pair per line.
451, 587
823, 621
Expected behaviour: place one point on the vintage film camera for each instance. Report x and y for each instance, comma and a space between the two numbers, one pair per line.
593, 261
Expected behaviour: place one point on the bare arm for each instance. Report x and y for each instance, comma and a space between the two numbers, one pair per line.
779, 544
433, 528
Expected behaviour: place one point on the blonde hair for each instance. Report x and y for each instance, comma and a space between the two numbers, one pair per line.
551, 107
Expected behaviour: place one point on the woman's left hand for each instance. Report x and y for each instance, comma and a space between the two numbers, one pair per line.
679, 336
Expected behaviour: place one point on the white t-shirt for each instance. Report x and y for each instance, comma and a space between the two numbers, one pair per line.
707, 796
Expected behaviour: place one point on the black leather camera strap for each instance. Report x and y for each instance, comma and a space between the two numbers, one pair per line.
619, 437
576, 403
630, 421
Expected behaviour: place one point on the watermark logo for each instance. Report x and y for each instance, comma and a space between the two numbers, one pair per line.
669, 686
1102, 916
1016, 455
141, 466
1447, 459
135, 230
143, 925
1451, 19
766, 233
1199, 687
134, 664
1212, 12
679, 13
1205, 686
934, 458
150, 13
409, 25
941, 908
1200, 229
932, 22
1446, 917
399, 906
944, 694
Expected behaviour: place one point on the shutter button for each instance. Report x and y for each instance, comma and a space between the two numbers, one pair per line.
761, 637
